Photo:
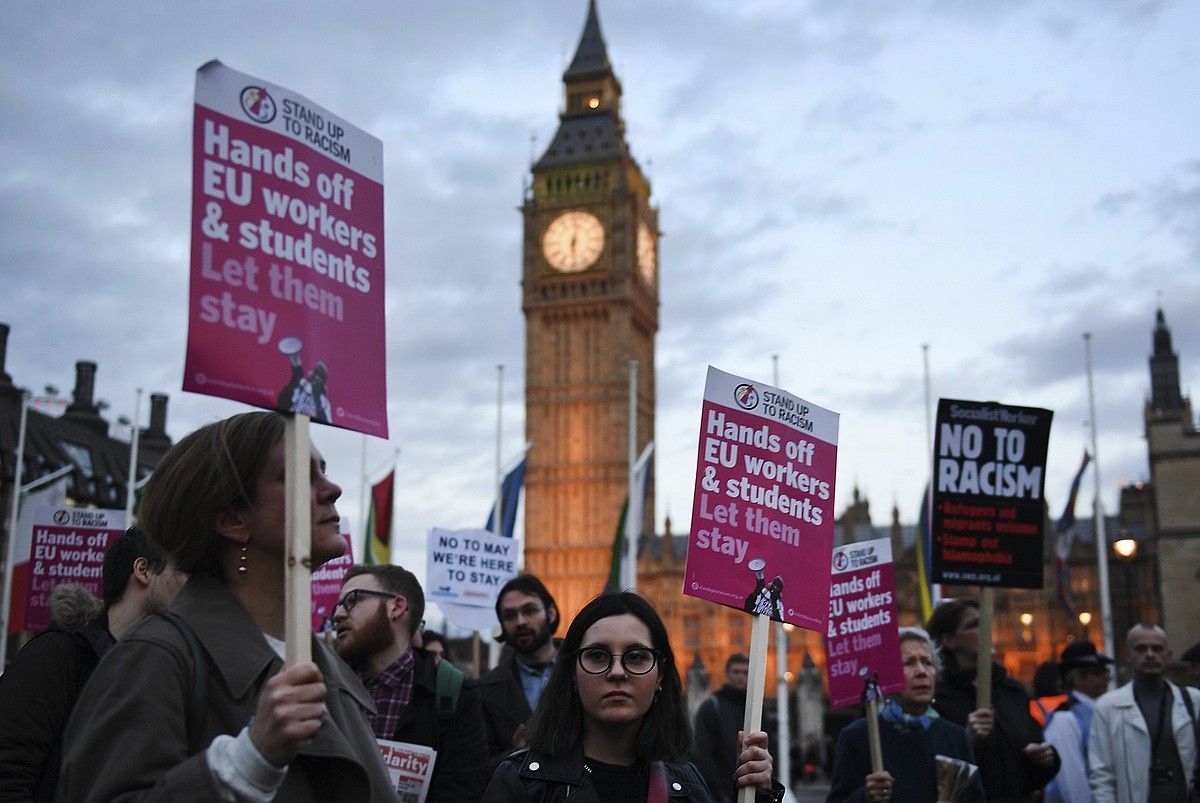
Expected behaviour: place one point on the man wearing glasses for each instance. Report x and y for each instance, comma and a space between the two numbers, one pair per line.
528, 618
379, 610
1084, 673
1142, 745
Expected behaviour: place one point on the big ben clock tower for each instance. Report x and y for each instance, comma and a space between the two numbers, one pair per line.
590, 298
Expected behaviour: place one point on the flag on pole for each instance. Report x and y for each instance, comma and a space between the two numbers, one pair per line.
379, 522
510, 495
922, 543
629, 527
1064, 531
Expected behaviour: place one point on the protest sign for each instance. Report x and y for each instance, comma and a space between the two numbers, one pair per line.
468, 567
862, 640
67, 546
763, 505
327, 587
410, 766
989, 512
287, 263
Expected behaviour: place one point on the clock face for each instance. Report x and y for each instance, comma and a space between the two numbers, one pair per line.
647, 260
573, 241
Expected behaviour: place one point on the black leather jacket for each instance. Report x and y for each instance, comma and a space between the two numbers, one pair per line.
527, 776
530, 777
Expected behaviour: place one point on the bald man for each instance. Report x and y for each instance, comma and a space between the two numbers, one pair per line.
1142, 741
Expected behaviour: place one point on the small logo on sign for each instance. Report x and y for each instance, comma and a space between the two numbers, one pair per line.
258, 104
746, 396
840, 561
62, 516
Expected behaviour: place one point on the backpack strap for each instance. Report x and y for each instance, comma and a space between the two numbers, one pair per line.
196, 700
449, 688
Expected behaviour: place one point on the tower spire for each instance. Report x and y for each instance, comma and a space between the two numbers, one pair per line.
591, 57
1165, 395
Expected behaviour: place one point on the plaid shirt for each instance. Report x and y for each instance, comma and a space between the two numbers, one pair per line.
391, 691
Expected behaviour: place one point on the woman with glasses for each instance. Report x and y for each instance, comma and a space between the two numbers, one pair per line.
201, 707
612, 725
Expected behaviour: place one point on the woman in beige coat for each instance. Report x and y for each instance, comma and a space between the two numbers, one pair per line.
199, 708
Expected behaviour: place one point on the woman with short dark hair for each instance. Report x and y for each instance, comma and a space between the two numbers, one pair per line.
612, 724
202, 709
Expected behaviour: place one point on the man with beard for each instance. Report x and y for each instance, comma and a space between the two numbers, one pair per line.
528, 618
379, 610
718, 720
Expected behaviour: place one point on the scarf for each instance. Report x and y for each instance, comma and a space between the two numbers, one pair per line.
893, 713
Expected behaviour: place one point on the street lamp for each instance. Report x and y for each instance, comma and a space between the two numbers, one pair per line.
1126, 550
1085, 619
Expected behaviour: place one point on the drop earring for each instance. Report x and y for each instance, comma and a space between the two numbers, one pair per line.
241, 569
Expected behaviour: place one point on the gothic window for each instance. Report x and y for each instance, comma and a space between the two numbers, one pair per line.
81, 456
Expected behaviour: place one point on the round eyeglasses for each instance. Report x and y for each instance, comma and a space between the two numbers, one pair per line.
351, 599
636, 661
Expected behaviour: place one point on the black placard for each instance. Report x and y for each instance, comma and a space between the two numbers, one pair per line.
989, 511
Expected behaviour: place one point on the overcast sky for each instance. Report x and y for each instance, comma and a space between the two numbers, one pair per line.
839, 182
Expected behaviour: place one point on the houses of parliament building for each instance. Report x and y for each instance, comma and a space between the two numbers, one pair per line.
590, 297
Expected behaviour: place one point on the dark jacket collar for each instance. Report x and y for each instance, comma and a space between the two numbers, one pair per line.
238, 649
567, 768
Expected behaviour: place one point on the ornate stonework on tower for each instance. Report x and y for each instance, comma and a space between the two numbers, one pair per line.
590, 298
1174, 450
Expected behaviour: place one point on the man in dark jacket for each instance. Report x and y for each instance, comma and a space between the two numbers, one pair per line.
528, 618
718, 720
1015, 761
39, 689
379, 610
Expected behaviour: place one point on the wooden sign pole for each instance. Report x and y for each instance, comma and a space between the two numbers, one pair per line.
755, 686
871, 694
983, 667
297, 623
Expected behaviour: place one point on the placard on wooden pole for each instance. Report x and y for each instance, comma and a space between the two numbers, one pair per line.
983, 667
297, 622
755, 688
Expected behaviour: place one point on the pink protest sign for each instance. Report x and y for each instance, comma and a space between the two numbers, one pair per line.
287, 282
68, 546
762, 516
862, 638
327, 587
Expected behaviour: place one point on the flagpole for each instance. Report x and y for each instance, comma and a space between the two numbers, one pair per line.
365, 494
1101, 536
497, 518
781, 658
935, 589
11, 553
629, 579
133, 458
393, 543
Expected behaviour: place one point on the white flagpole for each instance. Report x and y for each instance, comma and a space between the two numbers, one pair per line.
781, 663
133, 458
629, 565
497, 517
11, 556
935, 589
364, 492
1101, 535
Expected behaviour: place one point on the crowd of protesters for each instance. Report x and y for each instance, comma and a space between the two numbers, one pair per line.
179, 690
174, 687
1076, 743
